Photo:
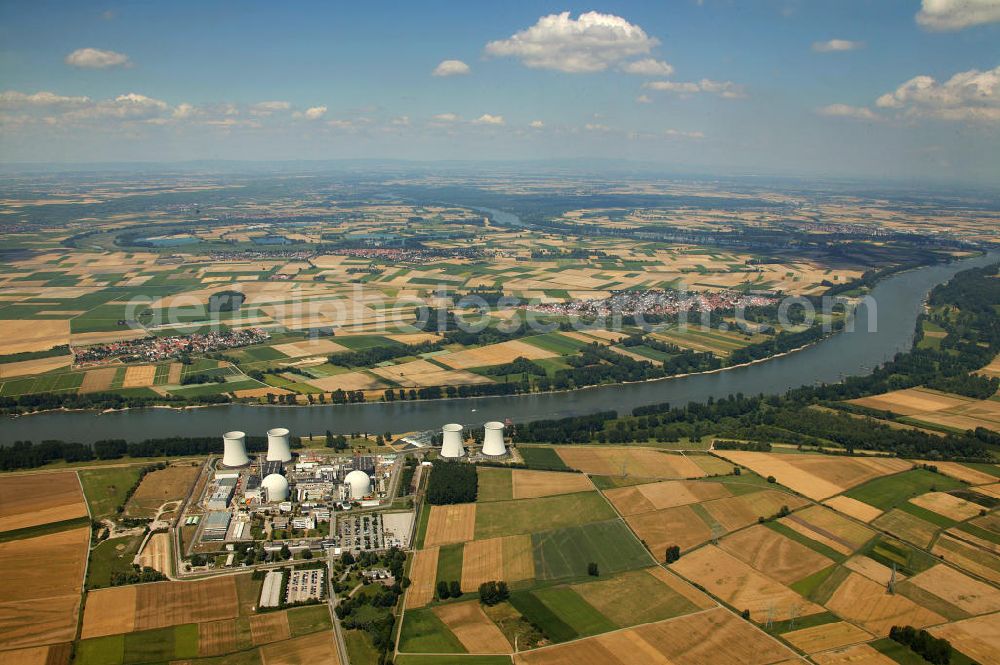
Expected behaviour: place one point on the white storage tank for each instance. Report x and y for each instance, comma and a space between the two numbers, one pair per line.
493, 445
360, 484
452, 444
275, 486
278, 448
234, 450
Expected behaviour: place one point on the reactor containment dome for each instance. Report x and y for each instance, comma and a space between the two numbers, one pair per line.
276, 487
234, 450
452, 441
278, 449
360, 484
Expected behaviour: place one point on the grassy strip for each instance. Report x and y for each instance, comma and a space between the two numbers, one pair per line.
44, 529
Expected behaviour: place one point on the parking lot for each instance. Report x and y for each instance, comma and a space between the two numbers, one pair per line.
305, 585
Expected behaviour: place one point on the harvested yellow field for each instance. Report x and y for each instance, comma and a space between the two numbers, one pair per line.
270, 627
347, 381
741, 586
910, 401
697, 598
534, 484
859, 654
473, 628
968, 557
216, 638
507, 558
872, 569
30, 499
158, 605
139, 376
156, 553
947, 505
84, 339
643, 462
26, 335
830, 528
666, 494
907, 527
423, 574
739, 511
161, 486
415, 338
714, 636
962, 472
451, 524
816, 476
827, 636
859, 510
260, 392
42, 607
958, 589
679, 526
423, 373
778, 557
494, 354
993, 369
98, 380
55, 654
306, 650
174, 374
977, 638
312, 347
866, 603
37, 366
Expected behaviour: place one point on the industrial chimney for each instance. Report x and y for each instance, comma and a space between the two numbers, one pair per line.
493, 445
234, 451
452, 447
278, 449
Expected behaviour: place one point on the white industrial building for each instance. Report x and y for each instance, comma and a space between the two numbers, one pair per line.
234, 446
275, 488
278, 447
359, 484
493, 443
451, 446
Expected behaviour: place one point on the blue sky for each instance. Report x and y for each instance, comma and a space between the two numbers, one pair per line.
753, 86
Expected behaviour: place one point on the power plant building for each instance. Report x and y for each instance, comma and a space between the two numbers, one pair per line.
278, 447
451, 446
275, 488
359, 484
234, 449
215, 526
493, 443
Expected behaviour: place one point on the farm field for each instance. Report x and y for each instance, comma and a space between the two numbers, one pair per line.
816, 476
504, 518
923, 406
28, 500
159, 487
42, 607
106, 489
617, 461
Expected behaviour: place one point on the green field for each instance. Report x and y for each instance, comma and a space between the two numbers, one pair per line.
506, 518
305, 620
574, 611
423, 632
105, 489
495, 484
566, 553
360, 649
539, 614
464, 659
450, 562
556, 343
106, 559
542, 458
891, 491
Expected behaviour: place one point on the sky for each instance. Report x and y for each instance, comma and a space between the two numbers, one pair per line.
859, 88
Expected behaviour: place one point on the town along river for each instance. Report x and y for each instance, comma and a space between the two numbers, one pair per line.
898, 301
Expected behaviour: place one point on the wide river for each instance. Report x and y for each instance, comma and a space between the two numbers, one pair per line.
897, 302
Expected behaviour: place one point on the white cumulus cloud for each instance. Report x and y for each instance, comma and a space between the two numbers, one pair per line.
648, 67
312, 113
848, 111
537, 124
451, 68
487, 119
957, 14
590, 43
725, 89
643, 99
973, 95
835, 45
680, 134
93, 58
446, 117
10, 99
267, 108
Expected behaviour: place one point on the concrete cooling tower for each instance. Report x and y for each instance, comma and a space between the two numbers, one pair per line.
278, 449
276, 487
360, 484
452, 446
493, 445
234, 451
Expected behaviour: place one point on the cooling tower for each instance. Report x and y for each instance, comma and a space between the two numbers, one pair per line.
493, 445
360, 484
278, 449
452, 446
234, 451
276, 487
